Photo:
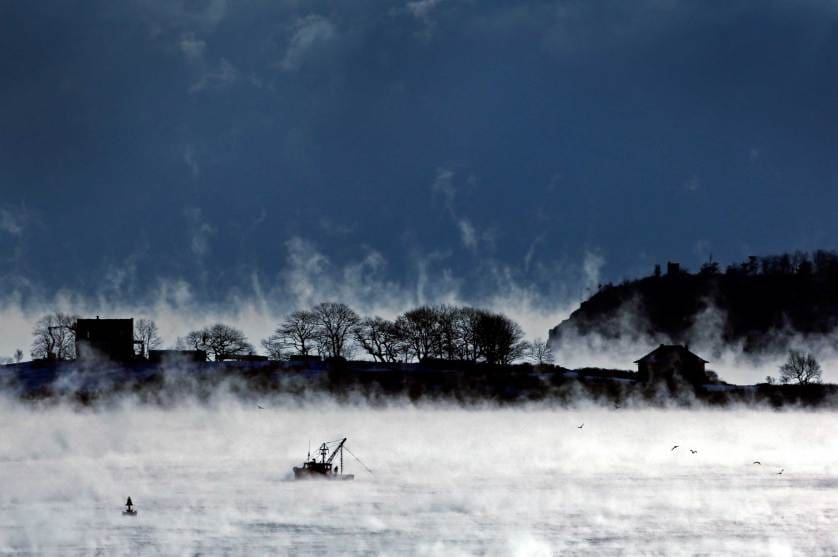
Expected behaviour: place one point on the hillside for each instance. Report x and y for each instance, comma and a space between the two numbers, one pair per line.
760, 304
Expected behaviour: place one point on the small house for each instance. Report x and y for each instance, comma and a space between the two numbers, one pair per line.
668, 362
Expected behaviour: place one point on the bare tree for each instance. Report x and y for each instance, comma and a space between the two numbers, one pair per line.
55, 337
18, 357
380, 338
335, 323
450, 341
461, 333
540, 352
800, 367
145, 330
194, 340
420, 330
274, 347
219, 340
467, 321
500, 339
299, 330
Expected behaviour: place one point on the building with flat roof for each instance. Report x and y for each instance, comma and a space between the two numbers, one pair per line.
105, 338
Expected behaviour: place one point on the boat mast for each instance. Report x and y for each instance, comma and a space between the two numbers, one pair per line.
338, 449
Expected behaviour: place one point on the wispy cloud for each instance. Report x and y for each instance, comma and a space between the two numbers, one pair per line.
592, 266
470, 236
191, 160
192, 47
422, 8
219, 77
17, 221
164, 17
692, 184
531, 252
200, 231
423, 12
309, 33
12, 221
444, 184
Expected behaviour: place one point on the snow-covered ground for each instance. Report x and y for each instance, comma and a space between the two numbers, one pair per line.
529, 481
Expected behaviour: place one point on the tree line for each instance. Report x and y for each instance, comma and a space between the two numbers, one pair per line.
820, 263
335, 330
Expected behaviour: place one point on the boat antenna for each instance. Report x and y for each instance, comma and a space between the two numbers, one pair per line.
359, 461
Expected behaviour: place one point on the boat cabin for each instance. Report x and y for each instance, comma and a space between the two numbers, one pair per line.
314, 467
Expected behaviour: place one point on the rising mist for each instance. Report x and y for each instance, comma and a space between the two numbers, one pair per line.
210, 478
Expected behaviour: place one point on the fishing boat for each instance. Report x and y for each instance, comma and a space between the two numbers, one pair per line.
129, 508
312, 469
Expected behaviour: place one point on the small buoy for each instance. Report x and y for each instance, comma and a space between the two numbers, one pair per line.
129, 508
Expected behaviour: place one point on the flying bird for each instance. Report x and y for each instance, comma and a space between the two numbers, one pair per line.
673, 448
758, 462
781, 471
580, 426
259, 407
693, 451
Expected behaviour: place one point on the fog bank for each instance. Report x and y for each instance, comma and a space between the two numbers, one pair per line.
528, 481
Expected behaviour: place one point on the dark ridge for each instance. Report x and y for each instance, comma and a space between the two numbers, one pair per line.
760, 303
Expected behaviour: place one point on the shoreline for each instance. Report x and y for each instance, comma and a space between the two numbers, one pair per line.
458, 383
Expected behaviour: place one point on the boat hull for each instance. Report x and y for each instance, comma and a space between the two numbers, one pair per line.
306, 474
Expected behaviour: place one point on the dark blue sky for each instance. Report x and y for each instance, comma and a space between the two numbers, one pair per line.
221, 143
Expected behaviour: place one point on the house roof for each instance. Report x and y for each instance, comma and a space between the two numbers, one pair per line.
100, 324
664, 349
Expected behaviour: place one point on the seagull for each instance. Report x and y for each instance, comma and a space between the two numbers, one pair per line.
259, 407
758, 462
580, 426
693, 451
781, 471
673, 448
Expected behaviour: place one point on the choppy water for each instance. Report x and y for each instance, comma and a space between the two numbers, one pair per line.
215, 480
